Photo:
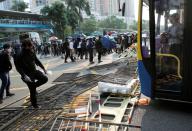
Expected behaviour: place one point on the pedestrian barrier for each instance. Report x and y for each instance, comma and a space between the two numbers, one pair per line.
66, 124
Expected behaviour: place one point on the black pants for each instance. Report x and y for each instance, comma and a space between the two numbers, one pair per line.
99, 55
90, 55
38, 79
84, 52
68, 55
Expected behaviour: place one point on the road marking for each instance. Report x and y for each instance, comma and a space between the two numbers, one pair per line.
19, 88
81, 73
15, 76
94, 72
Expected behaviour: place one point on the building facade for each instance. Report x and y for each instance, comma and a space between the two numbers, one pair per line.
37, 5
111, 7
6, 5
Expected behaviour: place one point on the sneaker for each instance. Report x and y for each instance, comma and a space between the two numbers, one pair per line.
100, 61
10, 94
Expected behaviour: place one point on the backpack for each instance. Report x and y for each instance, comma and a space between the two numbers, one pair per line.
90, 45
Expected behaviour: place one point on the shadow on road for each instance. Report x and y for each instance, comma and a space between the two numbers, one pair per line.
163, 116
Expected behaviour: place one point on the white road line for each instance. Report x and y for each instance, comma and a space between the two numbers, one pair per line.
19, 88
16, 76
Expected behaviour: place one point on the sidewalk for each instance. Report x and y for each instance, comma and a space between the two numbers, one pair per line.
57, 66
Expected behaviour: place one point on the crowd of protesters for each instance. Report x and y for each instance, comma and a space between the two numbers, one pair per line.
25, 58
84, 48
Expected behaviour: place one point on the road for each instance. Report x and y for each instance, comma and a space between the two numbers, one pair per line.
163, 116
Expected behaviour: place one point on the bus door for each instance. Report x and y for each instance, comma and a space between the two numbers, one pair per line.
169, 48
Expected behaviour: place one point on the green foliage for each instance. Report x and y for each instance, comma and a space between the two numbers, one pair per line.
68, 30
145, 25
62, 16
77, 6
2, 34
133, 26
89, 25
72, 18
57, 13
112, 22
19, 5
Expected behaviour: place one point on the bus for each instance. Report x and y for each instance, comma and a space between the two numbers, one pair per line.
164, 63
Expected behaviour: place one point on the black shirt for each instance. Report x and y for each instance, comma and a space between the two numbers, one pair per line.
98, 45
26, 62
5, 63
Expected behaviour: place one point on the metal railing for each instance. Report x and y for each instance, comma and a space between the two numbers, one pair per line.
66, 124
31, 22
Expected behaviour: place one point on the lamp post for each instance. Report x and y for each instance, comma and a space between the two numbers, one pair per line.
17, 2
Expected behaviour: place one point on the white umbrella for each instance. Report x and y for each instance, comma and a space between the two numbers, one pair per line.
53, 38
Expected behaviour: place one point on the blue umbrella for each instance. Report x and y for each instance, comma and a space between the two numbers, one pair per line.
113, 42
106, 42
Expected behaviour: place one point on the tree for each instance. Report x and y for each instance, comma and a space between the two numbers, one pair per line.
145, 25
89, 25
68, 31
112, 22
133, 26
19, 5
72, 18
57, 13
78, 6
74, 9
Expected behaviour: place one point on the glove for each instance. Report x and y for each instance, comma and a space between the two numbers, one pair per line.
26, 79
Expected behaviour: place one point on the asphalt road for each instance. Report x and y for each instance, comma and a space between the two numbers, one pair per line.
163, 116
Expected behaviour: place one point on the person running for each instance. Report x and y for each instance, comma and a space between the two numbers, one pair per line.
5, 67
26, 63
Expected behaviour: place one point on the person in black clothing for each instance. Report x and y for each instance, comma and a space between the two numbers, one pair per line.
5, 67
67, 51
75, 45
99, 48
25, 63
90, 45
84, 49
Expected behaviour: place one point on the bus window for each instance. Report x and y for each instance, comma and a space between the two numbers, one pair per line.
169, 20
145, 32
